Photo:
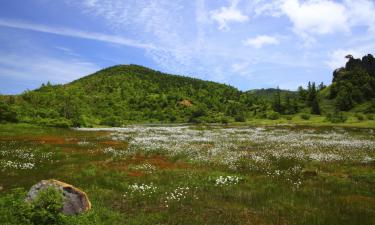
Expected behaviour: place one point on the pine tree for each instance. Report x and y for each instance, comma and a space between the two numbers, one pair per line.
277, 106
315, 108
311, 94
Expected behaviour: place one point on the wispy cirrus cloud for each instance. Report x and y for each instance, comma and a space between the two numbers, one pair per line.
33, 66
158, 21
188, 46
186, 37
75, 33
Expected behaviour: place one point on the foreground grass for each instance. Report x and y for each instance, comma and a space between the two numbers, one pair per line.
199, 175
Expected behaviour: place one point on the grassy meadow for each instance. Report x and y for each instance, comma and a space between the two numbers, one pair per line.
243, 174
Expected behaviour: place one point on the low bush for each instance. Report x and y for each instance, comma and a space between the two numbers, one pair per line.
44, 210
289, 117
224, 120
360, 116
337, 117
305, 116
113, 121
60, 122
239, 118
273, 115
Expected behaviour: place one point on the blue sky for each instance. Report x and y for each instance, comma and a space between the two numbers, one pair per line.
245, 43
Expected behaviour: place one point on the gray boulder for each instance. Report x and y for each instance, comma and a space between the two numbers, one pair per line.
75, 200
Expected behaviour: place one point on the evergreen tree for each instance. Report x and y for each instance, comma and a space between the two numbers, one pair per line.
302, 93
315, 108
277, 106
321, 86
311, 94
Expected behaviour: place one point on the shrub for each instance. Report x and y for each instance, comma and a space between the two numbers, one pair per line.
113, 121
196, 120
360, 116
60, 122
371, 107
305, 116
261, 115
14, 209
224, 120
45, 209
239, 118
336, 117
273, 115
6, 113
370, 116
83, 121
289, 117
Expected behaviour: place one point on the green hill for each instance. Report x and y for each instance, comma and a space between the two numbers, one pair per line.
126, 94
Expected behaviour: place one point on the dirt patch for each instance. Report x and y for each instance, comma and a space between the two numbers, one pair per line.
116, 144
69, 150
160, 162
339, 175
55, 140
136, 174
48, 139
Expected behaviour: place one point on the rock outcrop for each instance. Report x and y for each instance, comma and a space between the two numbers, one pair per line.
75, 200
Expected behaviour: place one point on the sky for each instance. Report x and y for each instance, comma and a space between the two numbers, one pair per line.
248, 44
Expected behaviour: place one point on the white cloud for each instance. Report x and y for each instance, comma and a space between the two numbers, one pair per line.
361, 12
265, 7
226, 15
320, 16
260, 41
75, 33
41, 68
316, 16
312, 19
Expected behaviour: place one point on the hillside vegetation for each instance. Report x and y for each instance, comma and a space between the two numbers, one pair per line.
134, 94
354, 84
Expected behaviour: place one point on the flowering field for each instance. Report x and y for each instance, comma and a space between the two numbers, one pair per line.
201, 174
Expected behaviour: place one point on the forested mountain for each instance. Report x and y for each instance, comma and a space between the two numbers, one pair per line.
134, 94
127, 94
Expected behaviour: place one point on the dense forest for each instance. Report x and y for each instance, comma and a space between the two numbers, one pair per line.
134, 94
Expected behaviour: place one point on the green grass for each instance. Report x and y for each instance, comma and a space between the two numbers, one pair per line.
314, 120
275, 191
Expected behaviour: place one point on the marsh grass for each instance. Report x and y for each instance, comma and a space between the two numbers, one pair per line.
200, 175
